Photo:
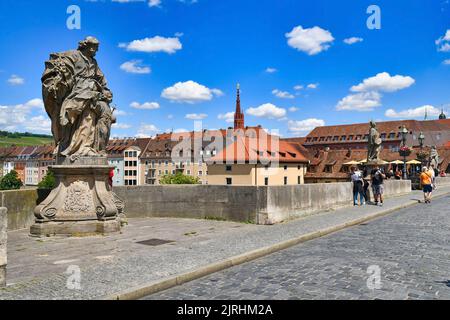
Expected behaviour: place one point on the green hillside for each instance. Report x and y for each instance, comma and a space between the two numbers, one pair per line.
22, 140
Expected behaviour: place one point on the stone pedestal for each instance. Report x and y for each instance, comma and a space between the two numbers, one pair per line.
3, 238
82, 204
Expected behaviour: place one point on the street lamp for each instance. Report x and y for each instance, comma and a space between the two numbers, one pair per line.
420, 154
404, 133
421, 140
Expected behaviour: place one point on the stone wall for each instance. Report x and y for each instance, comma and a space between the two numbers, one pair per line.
20, 204
263, 205
442, 181
238, 203
3, 238
291, 202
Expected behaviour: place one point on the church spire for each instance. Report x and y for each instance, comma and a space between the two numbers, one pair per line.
442, 116
238, 116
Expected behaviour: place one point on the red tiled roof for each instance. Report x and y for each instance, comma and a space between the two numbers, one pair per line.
245, 149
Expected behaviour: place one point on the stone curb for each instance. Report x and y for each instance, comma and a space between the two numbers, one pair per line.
167, 283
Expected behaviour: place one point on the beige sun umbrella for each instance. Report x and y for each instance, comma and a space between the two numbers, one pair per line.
396, 162
414, 162
352, 163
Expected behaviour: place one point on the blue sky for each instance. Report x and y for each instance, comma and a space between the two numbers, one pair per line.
171, 61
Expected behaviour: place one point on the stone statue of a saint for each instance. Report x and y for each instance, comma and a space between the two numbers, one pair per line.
77, 98
374, 144
434, 157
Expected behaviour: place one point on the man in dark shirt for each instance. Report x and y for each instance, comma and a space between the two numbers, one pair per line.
378, 184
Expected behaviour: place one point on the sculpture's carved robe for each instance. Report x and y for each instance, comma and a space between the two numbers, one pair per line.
374, 147
77, 98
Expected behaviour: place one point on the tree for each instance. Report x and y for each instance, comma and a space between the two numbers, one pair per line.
48, 182
10, 181
179, 178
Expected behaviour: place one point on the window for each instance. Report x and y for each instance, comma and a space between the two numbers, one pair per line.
350, 138
343, 138
299, 167
392, 135
229, 181
266, 181
285, 167
285, 180
328, 168
188, 172
228, 168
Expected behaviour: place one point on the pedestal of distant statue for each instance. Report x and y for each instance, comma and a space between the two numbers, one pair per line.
82, 203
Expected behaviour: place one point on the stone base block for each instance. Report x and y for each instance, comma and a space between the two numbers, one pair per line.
2, 276
75, 229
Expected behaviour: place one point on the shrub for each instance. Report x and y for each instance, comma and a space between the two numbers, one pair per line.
10, 181
48, 182
179, 178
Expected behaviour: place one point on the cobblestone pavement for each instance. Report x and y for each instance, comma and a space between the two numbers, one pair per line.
108, 265
411, 249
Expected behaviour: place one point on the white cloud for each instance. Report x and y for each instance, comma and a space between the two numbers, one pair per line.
271, 70
22, 116
155, 44
154, 3
310, 40
121, 126
282, 94
446, 62
384, 82
120, 113
267, 110
443, 43
190, 92
353, 40
312, 86
35, 103
120, 1
364, 101
304, 126
40, 124
298, 87
133, 67
293, 109
15, 80
228, 117
145, 105
147, 130
196, 116
414, 113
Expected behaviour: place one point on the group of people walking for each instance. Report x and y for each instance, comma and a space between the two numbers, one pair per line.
361, 186
361, 182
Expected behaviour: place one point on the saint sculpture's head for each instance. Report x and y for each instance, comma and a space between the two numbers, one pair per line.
372, 124
89, 46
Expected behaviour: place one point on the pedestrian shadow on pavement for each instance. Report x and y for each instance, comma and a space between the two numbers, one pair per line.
446, 282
